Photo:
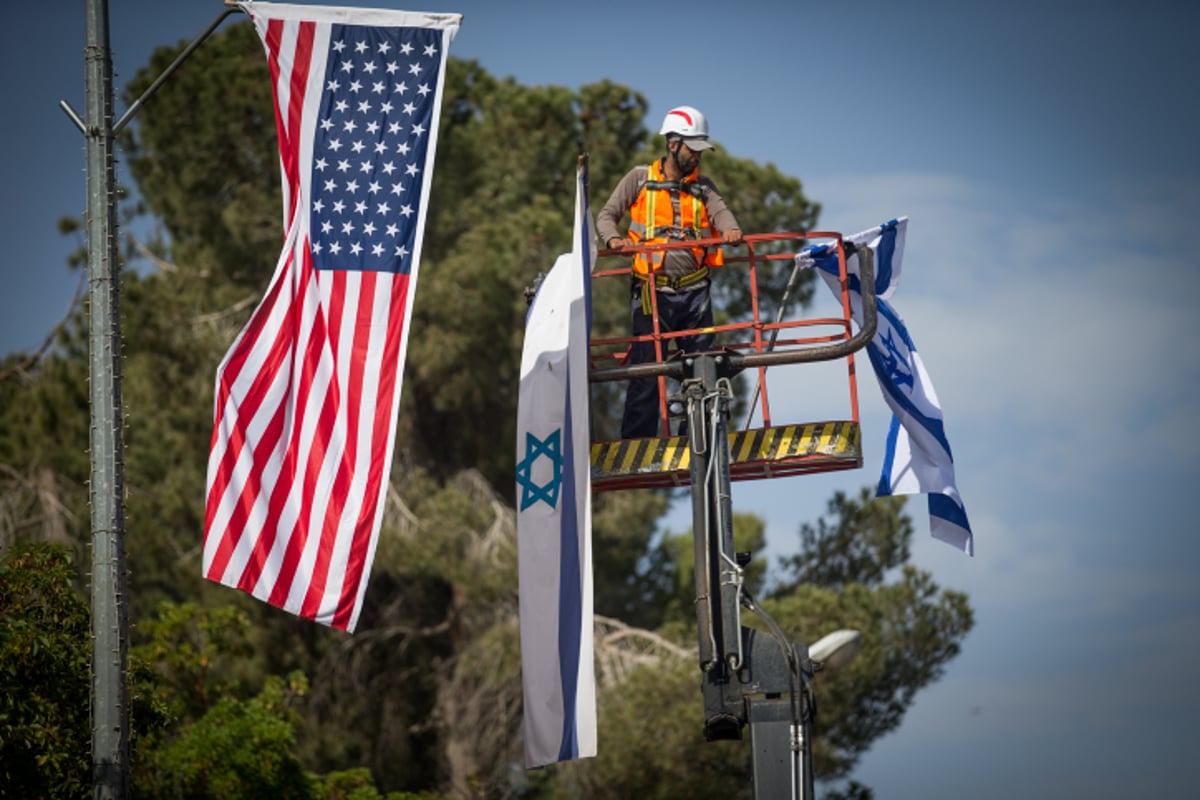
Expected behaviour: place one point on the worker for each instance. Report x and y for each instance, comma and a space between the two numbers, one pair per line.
668, 201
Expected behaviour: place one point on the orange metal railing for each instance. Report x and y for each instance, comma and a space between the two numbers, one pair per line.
756, 342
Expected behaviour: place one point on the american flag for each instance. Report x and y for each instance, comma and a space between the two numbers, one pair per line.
307, 396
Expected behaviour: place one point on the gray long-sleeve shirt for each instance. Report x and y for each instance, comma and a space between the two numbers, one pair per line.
677, 262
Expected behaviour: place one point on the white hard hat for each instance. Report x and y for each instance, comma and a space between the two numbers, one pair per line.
688, 124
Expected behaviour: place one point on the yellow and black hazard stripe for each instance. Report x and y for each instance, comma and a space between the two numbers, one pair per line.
648, 457
632, 456
774, 444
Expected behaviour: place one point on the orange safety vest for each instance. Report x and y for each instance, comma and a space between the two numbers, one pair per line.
652, 221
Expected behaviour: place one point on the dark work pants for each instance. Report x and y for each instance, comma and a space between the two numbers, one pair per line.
677, 311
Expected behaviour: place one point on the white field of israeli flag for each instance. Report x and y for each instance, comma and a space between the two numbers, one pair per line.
554, 508
918, 458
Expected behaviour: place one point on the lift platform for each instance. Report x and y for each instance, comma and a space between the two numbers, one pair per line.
773, 452
753, 344
748, 679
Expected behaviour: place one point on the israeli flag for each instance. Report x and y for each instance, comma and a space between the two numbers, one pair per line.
918, 458
554, 502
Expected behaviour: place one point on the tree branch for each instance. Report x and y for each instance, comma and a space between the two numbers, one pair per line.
29, 362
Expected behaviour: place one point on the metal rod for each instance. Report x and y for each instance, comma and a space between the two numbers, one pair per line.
169, 71
702, 521
70, 112
787, 293
727, 570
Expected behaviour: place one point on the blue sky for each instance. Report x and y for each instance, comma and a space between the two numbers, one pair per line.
1045, 153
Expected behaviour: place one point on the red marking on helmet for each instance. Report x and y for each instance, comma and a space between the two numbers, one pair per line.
683, 114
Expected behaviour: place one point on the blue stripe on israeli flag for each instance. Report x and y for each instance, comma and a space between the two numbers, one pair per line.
570, 600
917, 459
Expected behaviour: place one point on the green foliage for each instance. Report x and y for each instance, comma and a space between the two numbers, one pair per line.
445, 573
45, 652
237, 749
631, 583
193, 733
866, 539
447, 542
204, 155
215, 736
43, 450
676, 554
356, 784
189, 648
651, 743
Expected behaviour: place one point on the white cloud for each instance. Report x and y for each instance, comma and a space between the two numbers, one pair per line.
1044, 319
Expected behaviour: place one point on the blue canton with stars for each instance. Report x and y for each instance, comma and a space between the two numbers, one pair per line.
535, 448
370, 145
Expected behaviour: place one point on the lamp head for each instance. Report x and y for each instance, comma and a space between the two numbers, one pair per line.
835, 650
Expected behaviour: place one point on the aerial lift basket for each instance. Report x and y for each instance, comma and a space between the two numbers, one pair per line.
770, 449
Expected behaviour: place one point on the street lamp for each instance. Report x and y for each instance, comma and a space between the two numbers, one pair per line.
836, 650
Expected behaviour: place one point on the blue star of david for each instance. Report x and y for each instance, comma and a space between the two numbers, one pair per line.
896, 363
535, 448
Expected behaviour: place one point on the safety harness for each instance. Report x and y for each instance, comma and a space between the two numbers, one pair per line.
653, 220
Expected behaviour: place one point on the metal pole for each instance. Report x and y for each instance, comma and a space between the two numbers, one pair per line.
708, 617
718, 582
110, 714
746, 678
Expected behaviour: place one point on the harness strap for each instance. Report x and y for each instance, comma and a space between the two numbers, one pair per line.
684, 280
691, 187
674, 283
